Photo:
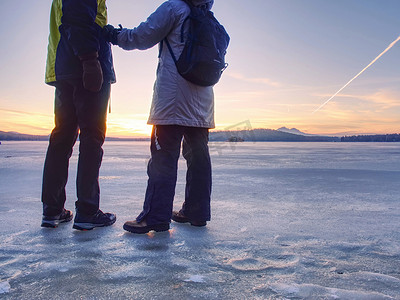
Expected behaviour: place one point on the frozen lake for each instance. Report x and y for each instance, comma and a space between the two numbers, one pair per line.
289, 221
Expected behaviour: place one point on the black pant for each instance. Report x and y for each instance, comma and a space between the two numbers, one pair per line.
77, 110
162, 171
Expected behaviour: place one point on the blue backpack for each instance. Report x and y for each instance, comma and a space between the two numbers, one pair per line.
202, 60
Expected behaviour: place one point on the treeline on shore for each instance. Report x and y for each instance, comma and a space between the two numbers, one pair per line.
372, 138
269, 135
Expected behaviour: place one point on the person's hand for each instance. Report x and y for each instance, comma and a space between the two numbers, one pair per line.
92, 72
110, 33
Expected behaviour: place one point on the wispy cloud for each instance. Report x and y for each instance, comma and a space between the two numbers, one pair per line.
384, 100
261, 80
20, 112
378, 101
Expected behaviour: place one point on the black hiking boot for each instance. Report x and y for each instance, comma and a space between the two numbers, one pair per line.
179, 217
52, 222
142, 227
88, 222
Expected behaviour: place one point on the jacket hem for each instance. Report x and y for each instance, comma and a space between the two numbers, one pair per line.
181, 123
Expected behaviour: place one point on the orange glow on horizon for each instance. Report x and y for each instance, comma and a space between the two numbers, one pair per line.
140, 129
336, 121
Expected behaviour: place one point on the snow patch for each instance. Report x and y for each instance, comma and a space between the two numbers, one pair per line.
259, 264
369, 276
195, 278
4, 287
305, 291
61, 267
130, 271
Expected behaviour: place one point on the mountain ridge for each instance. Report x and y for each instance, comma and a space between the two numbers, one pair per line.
294, 131
267, 135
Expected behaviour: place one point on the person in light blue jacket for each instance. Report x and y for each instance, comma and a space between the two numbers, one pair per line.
179, 110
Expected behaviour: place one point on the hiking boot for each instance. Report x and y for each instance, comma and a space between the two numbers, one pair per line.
142, 227
52, 222
179, 217
88, 222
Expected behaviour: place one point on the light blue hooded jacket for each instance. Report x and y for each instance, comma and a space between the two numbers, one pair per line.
176, 101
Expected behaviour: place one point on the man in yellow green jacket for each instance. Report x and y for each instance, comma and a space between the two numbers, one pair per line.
80, 67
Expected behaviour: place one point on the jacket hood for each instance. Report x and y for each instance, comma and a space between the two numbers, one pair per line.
202, 2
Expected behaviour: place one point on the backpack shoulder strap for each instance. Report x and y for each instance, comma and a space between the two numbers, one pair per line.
191, 6
169, 48
160, 48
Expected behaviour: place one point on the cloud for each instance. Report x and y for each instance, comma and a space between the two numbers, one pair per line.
385, 100
20, 112
379, 101
261, 80
25, 128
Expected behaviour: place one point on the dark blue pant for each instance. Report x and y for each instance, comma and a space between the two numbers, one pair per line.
162, 170
77, 110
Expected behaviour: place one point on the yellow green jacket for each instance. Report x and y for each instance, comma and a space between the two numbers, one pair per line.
75, 29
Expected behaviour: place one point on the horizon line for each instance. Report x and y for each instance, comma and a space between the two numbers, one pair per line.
147, 137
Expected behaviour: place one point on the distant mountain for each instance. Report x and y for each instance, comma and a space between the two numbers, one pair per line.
293, 131
15, 136
267, 135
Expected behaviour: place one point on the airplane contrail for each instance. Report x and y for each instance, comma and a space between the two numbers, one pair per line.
362, 71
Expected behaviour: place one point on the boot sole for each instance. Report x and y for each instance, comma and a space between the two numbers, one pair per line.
146, 229
90, 226
187, 220
54, 223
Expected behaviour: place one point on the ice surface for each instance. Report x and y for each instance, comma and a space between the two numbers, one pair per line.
289, 221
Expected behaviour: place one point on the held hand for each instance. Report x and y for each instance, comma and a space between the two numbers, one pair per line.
110, 33
92, 72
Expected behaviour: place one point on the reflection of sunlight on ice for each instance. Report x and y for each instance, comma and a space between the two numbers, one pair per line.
152, 234
172, 231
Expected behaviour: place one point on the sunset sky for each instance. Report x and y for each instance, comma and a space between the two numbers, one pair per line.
286, 58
